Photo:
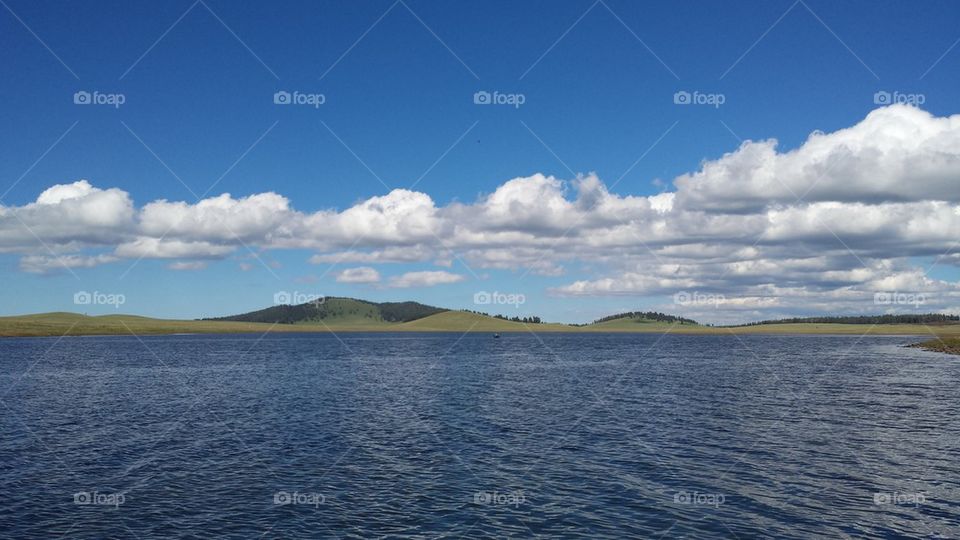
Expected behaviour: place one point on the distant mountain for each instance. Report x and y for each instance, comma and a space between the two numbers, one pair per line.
338, 310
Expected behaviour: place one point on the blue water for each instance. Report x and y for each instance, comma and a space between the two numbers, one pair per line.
372, 435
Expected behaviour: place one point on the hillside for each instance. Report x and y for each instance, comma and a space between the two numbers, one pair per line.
631, 324
463, 321
333, 310
644, 317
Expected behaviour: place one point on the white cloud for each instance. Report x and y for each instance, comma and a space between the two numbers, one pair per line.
67, 216
361, 274
884, 158
63, 192
423, 279
221, 218
401, 217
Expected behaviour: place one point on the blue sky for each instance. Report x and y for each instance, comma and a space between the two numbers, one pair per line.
598, 82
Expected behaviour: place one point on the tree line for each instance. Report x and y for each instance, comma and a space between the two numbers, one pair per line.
923, 318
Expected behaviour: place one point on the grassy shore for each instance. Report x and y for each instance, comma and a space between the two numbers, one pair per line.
949, 345
73, 324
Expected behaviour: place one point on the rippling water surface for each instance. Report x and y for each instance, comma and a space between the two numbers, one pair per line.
599, 436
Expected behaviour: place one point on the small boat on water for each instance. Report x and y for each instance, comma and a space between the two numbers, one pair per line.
496, 335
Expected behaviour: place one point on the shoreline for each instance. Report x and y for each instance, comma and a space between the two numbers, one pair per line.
57, 325
533, 329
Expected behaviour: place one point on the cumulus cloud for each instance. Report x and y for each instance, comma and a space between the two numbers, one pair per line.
399, 218
67, 216
423, 279
222, 218
361, 274
820, 226
895, 154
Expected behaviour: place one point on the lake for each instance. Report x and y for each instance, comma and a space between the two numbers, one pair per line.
436, 435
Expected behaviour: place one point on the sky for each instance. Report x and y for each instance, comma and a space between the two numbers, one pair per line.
727, 161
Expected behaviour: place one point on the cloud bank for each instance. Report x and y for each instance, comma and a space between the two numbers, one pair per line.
822, 226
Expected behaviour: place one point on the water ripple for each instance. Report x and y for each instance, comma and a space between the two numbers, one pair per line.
433, 436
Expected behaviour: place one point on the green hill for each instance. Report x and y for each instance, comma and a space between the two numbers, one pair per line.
333, 310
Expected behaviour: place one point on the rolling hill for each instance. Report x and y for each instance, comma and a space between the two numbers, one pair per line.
333, 310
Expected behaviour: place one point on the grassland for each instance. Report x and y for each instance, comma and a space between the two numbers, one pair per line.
72, 324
